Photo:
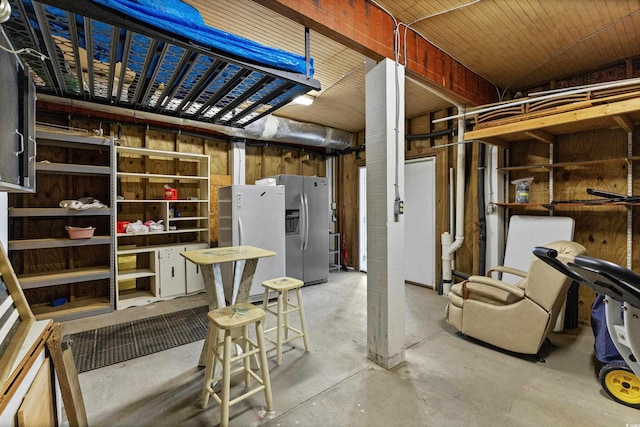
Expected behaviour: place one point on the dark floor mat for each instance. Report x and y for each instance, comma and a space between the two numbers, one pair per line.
118, 343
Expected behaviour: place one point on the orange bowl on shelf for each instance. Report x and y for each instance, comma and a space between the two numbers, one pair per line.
80, 232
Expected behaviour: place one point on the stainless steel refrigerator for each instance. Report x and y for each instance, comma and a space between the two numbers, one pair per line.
253, 215
307, 227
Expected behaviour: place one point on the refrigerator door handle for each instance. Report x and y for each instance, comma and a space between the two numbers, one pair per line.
239, 231
306, 222
303, 221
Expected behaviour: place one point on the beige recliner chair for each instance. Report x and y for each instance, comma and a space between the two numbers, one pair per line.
516, 318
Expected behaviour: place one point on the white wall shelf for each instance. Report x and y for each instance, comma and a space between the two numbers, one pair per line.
149, 267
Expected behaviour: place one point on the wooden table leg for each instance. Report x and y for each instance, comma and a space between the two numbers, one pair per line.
244, 287
212, 276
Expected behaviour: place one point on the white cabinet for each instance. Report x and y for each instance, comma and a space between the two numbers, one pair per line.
194, 279
150, 267
177, 275
172, 271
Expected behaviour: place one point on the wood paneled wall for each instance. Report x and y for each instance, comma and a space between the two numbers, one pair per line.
601, 229
262, 160
348, 197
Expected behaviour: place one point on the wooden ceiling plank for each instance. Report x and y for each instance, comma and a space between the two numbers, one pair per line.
371, 34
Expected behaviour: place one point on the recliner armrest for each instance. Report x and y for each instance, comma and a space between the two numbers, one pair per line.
511, 289
505, 269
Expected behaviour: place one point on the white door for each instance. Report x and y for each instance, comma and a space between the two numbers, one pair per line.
420, 222
363, 218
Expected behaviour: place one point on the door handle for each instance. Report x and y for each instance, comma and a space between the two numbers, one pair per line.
306, 221
303, 221
21, 143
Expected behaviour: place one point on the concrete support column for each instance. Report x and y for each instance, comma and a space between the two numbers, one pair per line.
238, 163
384, 138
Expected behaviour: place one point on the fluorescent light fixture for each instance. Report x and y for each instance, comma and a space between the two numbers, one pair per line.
5, 11
302, 100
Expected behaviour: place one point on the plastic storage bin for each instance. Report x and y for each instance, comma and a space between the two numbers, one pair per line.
80, 232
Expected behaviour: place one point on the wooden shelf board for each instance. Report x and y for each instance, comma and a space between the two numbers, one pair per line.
188, 218
161, 154
161, 201
135, 274
52, 212
508, 204
155, 233
159, 176
615, 205
73, 309
153, 248
137, 250
598, 116
568, 165
54, 278
17, 245
134, 298
65, 168
65, 138
566, 205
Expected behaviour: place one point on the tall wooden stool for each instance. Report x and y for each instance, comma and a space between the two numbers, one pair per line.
284, 307
228, 326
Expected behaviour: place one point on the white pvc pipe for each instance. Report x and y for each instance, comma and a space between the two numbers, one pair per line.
452, 206
619, 83
460, 177
447, 270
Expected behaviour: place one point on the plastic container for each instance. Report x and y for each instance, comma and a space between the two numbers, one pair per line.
522, 189
121, 226
80, 232
170, 193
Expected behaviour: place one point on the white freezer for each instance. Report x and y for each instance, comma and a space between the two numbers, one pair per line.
253, 215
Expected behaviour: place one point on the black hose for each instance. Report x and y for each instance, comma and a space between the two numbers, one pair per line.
482, 217
446, 132
460, 274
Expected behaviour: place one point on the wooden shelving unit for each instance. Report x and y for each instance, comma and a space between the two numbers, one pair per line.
148, 264
77, 274
567, 150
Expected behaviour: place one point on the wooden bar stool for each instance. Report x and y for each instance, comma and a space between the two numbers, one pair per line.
284, 307
229, 326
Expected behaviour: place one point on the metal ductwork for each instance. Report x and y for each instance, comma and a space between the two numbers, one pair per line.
268, 128
279, 129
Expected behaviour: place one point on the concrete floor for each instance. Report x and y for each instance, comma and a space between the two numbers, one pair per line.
446, 380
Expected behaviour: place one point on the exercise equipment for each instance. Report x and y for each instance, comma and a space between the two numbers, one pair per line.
620, 288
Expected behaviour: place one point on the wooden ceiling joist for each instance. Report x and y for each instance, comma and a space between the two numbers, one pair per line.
541, 135
624, 122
